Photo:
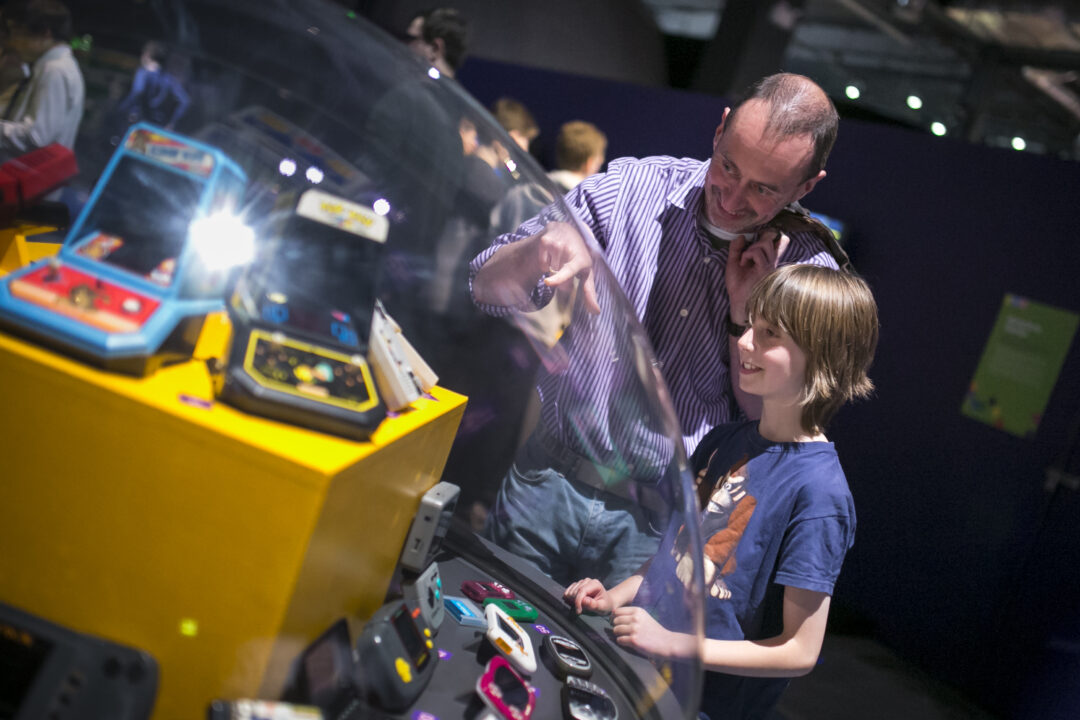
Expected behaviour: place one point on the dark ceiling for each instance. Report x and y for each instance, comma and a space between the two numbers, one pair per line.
986, 71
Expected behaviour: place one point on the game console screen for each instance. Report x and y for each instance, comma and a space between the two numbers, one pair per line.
410, 638
144, 214
514, 692
21, 657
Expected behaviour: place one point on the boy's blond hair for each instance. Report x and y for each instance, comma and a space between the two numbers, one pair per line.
832, 317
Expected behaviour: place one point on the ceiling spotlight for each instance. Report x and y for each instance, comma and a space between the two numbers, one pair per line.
938, 128
852, 92
1018, 143
914, 102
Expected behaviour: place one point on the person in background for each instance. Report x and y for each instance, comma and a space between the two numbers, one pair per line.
579, 152
516, 120
156, 95
686, 240
47, 106
440, 36
777, 517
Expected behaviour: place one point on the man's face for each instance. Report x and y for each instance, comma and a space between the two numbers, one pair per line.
752, 176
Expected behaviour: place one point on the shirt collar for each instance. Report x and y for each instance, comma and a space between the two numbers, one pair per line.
53, 53
685, 197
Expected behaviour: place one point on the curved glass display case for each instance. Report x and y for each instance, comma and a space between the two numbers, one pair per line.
292, 410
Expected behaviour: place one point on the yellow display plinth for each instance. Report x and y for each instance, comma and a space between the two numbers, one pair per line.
141, 511
16, 252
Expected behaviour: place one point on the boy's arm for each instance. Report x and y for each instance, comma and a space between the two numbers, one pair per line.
792, 653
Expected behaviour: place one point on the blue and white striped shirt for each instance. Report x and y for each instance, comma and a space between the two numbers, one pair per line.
644, 214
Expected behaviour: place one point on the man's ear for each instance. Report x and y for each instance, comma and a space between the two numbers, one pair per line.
808, 185
720, 128
440, 48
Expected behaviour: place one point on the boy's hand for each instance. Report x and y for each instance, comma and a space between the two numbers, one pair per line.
589, 594
635, 628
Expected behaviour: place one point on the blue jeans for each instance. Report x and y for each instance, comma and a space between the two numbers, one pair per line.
568, 528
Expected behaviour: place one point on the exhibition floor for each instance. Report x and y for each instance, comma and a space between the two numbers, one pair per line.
857, 678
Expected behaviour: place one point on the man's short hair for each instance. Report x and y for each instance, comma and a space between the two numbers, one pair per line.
797, 106
577, 142
41, 17
450, 26
831, 315
512, 115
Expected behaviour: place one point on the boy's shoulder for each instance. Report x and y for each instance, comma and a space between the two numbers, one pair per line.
727, 435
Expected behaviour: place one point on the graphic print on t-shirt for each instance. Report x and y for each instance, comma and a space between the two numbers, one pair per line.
724, 520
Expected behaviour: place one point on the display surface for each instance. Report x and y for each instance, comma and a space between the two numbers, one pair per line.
309, 434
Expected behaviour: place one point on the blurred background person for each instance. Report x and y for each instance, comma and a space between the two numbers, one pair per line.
579, 152
156, 94
47, 105
440, 36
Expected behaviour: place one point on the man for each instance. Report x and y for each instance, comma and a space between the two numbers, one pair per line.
48, 106
440, 36
686, 240
579, 152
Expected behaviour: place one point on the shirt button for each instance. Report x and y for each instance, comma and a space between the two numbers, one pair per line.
706, 260
684, 312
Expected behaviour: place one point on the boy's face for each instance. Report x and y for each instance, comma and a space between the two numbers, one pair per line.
771, 365
752, 175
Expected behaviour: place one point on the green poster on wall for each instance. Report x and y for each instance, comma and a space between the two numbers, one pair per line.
1020, 365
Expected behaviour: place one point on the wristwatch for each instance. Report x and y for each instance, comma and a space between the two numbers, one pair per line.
734, 329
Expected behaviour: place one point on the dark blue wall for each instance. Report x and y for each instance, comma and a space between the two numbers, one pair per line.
963, 562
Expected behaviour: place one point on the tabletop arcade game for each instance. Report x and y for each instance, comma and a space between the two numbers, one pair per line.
301, 317
147, 258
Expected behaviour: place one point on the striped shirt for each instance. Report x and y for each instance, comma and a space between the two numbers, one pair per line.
644, 214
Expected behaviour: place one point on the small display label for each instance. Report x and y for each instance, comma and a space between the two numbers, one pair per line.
171, 152
348, 216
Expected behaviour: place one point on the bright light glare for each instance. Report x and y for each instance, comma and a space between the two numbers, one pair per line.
287, 167
314, 175
511, 165
1018, 143
852, 92
222, 241
434, 74
938, 128
914, 102
381, 206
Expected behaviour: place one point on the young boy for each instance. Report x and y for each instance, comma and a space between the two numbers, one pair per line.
777, 516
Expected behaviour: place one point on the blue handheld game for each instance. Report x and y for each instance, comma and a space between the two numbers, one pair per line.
147, 258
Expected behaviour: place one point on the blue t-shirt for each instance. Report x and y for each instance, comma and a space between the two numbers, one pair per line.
773, 514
